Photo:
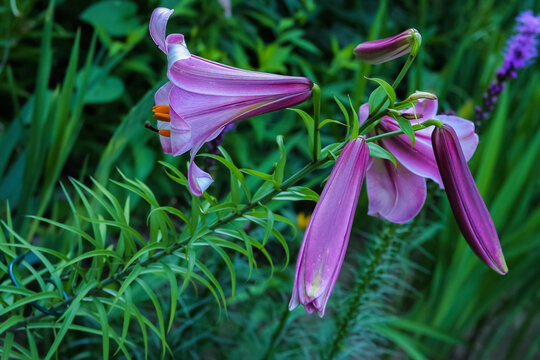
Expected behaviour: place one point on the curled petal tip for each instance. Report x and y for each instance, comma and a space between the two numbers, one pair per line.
198, 180
158, 26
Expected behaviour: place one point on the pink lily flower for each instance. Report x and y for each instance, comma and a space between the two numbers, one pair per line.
327, 235
397, 194
202, 97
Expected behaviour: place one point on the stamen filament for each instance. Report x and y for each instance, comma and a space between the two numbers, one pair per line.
150, 127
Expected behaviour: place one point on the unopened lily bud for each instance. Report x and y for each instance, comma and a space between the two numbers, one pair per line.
383, 50
465, 200
422, 95
327, 235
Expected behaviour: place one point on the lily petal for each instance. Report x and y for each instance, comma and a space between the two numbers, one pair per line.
198, 180
203, 117
180, 139
426, 107
394, 193
162, 98
464, 129
363, 113
158, 26
203, 76
418, 159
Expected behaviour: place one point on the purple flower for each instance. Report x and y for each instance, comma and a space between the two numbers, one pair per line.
202, 97
465, 200
520, 52
327, 234
383, 50
397, 194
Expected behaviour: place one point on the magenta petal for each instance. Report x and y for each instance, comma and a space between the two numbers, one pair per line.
394, 193
198, 180
464, 129
162, 98
203, 76
426, 107
465, 200
205, 96
181, 137
158, 26
363, 113
205, 116
165, 140
162, 94
327, 235
176, 50
418, 159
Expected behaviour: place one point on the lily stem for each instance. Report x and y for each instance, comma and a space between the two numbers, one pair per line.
421, 126
316, 116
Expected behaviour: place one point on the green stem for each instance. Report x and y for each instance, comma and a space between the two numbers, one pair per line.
410, 60
158, 255
316, 116
404, 69
277, 333
366, 282
421, 126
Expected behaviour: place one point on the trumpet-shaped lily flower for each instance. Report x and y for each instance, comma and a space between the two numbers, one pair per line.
397, 193
383, 50
202, 97
327, 234
465, 200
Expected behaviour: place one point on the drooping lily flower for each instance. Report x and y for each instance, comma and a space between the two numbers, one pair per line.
327, 234
382, 50
202, 97
397, 194
465, 200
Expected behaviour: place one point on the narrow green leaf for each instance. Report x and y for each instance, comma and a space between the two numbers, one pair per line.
387, 88
407, 128
279, 172
258, 174
103, 319
380, 152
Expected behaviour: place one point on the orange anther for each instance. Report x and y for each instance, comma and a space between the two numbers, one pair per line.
161, 109
165, 132
162, 116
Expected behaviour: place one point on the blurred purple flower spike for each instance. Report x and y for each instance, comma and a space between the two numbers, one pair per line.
327, 235
202, 97
465, 200
521, 50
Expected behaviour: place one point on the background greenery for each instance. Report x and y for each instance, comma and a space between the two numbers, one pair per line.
151, 272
